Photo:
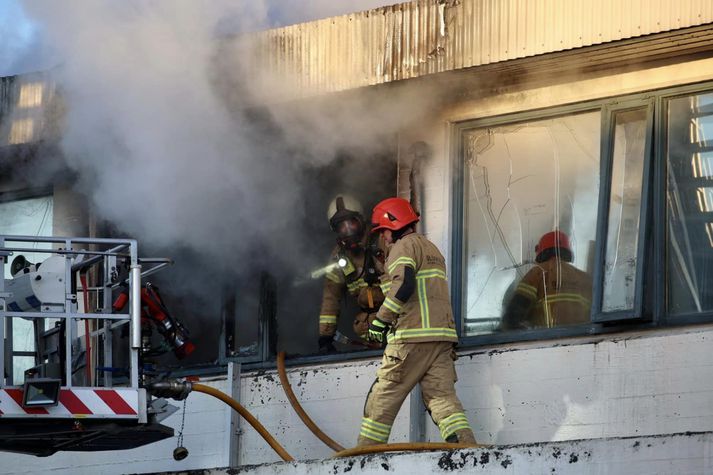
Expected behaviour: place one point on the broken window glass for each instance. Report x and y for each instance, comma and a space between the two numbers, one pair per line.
624, 210
531, 212
689, 205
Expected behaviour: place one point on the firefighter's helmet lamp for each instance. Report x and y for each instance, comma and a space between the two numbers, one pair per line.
41, 392
346, 220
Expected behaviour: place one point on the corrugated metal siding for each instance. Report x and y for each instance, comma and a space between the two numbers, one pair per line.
423, 37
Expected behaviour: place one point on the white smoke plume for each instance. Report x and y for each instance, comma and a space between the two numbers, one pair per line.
156, 144
169, 143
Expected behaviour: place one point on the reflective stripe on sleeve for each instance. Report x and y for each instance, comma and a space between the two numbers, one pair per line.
392, 305
334, 277
356, 285
327, 319
403, 260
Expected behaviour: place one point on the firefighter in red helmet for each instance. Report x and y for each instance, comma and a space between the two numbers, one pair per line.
356, 268
554, 292
416, 322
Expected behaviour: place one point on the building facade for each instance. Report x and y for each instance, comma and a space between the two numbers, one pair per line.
593, 118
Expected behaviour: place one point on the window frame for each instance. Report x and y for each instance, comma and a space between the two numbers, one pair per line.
458, 223
609, 112
660, 313
652, 231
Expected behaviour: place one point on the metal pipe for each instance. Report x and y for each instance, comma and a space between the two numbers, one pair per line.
135, 306
298, 407
96, 316
155, 260
58, 239
114, 251
65, 251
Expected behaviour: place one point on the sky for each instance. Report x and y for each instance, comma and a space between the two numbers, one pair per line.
22, 48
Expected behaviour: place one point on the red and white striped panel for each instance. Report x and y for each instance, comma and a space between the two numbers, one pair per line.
117, 403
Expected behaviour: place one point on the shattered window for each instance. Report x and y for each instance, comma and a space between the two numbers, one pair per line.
622, 242
531, 202
689, 205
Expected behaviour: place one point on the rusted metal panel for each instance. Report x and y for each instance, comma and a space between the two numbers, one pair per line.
424, 37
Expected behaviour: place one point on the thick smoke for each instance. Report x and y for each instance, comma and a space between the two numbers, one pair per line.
172, 145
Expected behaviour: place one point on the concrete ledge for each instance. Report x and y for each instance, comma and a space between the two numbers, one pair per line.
688, 453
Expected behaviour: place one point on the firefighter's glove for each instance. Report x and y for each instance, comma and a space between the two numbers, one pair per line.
377, 331
326, 344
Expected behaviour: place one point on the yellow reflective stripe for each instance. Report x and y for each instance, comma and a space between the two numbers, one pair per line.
429, 273
453, 423
527, 289
334, 277
403, 260
385, 286
423, 303
374, 430
391, 305
421, 332
453, 417
567, 298
454, 428
357, 284
327, 319
376, 425
373, 435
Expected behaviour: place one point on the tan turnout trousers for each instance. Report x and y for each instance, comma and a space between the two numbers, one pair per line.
430, 364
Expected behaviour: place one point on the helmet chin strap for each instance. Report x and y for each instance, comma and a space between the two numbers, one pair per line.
405, 231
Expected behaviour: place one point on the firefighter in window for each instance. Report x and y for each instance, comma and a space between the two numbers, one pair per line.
357, 263
553, 293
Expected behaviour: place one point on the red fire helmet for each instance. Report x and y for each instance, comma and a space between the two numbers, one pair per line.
552, 240
393, 214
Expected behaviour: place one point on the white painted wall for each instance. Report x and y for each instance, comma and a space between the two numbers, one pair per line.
654, 383
680, 453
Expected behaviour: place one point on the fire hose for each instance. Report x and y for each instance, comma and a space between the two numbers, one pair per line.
402, 447
201, 388
370, 449
180, 390
298, 407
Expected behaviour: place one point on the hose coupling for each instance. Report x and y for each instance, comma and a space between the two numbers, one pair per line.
178, 390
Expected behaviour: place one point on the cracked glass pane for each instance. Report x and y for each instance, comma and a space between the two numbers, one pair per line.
689, 205
624, 210
531, 211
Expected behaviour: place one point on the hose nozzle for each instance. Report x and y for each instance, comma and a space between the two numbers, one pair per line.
178, 390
